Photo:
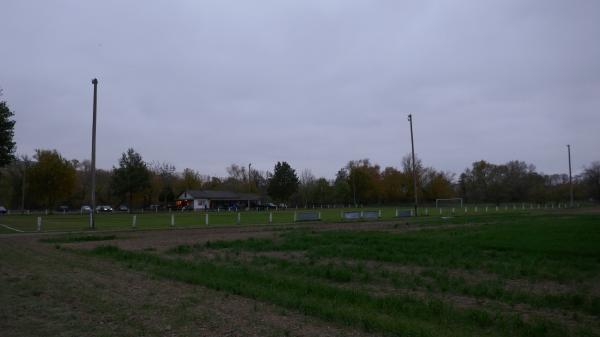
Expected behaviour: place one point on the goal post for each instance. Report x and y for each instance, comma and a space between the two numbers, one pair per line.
449, 202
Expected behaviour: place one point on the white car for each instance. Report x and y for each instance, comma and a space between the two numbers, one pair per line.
86, 209
103, 208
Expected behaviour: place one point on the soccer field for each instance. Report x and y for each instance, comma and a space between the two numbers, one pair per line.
151, 220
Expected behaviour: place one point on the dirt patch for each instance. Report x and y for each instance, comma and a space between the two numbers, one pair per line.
48, 291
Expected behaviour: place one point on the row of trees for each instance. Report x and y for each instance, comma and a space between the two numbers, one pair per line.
48, 179
519, 181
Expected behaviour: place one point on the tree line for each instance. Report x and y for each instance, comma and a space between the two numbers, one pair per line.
48, 179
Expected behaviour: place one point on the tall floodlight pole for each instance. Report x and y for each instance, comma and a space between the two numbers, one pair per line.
414, 169
249, 183
93, 169
570, 177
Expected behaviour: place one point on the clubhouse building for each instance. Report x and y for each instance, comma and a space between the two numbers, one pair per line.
203, 199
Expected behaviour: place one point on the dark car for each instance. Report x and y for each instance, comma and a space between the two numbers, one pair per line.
123, 208
63, 209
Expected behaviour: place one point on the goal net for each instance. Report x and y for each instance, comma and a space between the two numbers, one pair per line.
450, 202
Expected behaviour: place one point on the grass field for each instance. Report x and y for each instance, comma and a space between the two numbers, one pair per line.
509, 274
149, 220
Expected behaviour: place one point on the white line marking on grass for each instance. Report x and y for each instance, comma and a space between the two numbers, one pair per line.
14, 229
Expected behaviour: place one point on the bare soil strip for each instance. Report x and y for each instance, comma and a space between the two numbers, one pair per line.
46, 291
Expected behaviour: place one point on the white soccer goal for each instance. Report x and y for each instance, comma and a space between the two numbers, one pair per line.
450, 202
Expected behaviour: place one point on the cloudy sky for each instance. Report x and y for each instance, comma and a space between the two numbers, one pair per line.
204, 84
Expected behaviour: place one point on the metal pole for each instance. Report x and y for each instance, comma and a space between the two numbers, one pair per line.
93, 169
249, 184
570, 177
412, 143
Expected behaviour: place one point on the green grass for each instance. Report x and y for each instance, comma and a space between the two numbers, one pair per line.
149, 220
401, 315
397, 282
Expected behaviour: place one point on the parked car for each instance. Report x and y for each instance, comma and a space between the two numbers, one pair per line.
86, 209
62, 208
266, 206
123, 208
103, 209
3, 210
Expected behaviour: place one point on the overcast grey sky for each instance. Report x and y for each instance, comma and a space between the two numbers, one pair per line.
203, 84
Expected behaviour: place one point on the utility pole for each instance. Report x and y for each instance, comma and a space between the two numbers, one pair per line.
249, 183
570, 177
93, 168
412, 143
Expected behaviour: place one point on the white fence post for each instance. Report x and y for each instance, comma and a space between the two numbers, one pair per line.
39, 223
206, 219
133, 223
239, 218
319, 215
172, 219
294, 216
396, 212
426, 212
270, 217
380, 213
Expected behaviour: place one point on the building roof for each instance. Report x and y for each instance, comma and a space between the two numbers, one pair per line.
217, 195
